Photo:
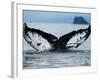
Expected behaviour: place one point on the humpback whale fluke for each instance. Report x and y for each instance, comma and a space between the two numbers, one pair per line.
41, 40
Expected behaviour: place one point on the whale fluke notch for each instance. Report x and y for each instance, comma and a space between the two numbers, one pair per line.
41, 40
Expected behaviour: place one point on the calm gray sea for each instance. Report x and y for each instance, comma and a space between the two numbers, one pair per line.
56, 59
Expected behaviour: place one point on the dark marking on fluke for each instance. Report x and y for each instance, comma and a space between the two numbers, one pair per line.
38, 44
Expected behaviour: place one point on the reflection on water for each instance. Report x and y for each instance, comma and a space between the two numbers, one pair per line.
56, 59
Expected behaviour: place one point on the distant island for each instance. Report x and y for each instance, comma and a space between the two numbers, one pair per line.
79, 20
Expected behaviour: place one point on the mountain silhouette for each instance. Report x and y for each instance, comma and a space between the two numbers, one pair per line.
79, 20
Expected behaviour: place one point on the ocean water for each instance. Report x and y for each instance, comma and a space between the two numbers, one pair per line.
56, 59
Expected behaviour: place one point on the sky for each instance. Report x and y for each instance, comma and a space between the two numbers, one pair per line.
53, 17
